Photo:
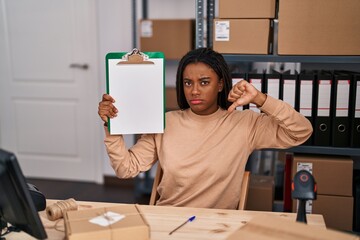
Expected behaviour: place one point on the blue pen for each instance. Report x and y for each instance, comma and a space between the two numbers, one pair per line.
189, 220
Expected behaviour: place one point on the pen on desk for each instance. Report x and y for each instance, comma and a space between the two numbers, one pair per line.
189, 220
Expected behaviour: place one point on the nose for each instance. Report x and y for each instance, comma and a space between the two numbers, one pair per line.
195, 90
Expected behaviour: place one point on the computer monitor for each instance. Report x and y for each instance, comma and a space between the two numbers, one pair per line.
16, 205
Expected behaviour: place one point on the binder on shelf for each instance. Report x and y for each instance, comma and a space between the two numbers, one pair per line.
236, 77
289, 83
322, 119
340, 110
355, 112
305, 98
143, 72
272, 85
257, 80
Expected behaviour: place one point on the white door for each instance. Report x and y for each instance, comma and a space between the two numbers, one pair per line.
49, 87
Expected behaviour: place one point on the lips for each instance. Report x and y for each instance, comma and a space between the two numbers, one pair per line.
196, 101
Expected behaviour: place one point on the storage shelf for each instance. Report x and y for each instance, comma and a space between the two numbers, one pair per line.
326, 150
303, 59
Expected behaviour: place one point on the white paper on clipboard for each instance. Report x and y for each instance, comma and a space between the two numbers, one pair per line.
138, 90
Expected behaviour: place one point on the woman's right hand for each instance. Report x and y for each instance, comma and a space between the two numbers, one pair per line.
107, 108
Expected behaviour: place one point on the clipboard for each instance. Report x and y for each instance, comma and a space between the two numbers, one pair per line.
136, 81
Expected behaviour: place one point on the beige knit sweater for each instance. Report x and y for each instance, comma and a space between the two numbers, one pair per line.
203, 157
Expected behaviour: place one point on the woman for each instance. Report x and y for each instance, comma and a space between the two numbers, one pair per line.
206, 144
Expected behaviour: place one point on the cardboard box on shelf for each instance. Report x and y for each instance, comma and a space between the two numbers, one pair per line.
119, 222
333, 174
242, 36
247, 8
321, 27
336, 210
261, 193
173, 37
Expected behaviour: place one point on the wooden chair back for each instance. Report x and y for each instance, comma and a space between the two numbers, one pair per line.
244, 191
154, 193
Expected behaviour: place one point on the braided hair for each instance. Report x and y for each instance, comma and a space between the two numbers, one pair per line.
214, 60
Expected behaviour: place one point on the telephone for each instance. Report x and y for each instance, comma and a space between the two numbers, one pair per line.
37, 197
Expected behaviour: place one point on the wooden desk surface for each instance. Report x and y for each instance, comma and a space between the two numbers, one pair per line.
209, 223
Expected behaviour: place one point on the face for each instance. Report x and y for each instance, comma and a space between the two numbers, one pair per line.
201, 88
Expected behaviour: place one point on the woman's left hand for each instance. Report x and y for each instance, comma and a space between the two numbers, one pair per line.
244, 93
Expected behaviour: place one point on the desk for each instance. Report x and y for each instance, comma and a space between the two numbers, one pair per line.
209, 223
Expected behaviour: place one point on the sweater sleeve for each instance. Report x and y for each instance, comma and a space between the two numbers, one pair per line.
279, 126
128, 163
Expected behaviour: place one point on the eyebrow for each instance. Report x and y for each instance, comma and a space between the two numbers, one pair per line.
202, 78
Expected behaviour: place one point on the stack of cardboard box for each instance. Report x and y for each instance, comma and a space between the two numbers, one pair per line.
333, 175
244, 26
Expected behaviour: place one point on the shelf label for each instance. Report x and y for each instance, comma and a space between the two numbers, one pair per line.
146, 29
222, 30
342, 98
357, 102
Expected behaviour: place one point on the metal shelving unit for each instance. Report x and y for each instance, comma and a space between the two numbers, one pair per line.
234, 58
204, 22
326, 150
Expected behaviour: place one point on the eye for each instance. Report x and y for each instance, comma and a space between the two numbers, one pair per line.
187, 83
204, 82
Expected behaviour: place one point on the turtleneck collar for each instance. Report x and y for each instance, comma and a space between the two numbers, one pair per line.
194, 116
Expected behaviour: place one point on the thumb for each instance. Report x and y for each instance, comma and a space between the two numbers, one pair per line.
232, 107
237, 103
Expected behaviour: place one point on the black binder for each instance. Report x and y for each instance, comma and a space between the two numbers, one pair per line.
306, 99
340, 110
355, 111
257, 80
290, 89
272, 85
236, 77
322, 119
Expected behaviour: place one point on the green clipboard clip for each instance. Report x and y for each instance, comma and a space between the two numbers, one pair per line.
135, 57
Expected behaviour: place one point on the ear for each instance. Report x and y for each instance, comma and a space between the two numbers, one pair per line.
221, 85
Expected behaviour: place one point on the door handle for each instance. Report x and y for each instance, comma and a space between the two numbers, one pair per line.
78, 65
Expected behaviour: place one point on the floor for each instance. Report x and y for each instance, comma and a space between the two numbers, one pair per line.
113, 190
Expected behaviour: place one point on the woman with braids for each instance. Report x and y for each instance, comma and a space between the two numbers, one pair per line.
206, 144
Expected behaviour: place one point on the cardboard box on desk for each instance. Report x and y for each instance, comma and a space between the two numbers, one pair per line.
173, 37
267, 227
242, 36
333, 174
321, 27
119, 222
247, 9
